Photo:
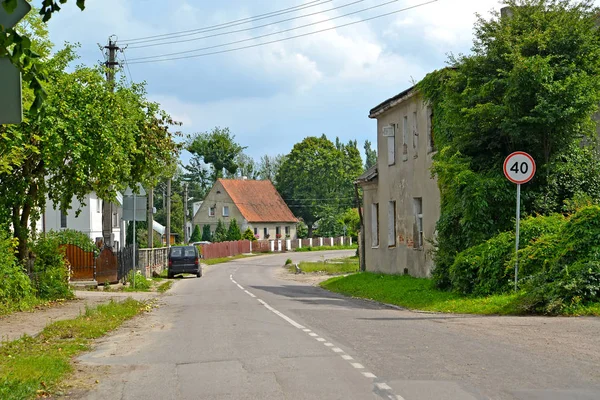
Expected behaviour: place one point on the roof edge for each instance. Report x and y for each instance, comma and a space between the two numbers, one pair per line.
392, 101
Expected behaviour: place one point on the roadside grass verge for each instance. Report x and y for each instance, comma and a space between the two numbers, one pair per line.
33, 367
421, 294
25, 305
329, 267
164, 287
325, 248
214, 261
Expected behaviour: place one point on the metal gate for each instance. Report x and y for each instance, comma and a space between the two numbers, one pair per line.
82, 263
106, 266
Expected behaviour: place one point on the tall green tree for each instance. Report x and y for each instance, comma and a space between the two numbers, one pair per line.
217, 148
233, 232
316, 178
370, 155
196, 234
220, 232
84, 138
268, 167
532, 83
206, 235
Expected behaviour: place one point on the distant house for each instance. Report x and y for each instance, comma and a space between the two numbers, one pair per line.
254, 204
88, 221
401, 199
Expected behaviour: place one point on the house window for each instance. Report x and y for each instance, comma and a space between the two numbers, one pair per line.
374, 225
115, 220
392, 224
63, 219
266, 233
405, 138
415, 134
98, 205
255, 231
430, 137
226, 211
390, 133
418, 227
212, 211
277, 232
287, 231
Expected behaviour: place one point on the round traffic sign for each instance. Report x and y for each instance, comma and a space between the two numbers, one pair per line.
519, 167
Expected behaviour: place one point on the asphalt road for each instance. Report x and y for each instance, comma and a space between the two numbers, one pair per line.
239, 332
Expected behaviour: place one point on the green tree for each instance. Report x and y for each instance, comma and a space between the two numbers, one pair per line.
370, 155
234, 233
196, 235
217, 148
206, 236
268, 167
316, 178
248, 235
532, 83
220, 232
85, 138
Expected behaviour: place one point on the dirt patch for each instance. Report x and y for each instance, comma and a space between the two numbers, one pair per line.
313, 279
31, 323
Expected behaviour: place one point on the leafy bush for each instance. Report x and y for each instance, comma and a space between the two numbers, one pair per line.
137, 281
248, 235
233, 232
564, 266
15, 287
220, 232
486, 268
288, 261
50, 273
206, 235
196, 234
70, 236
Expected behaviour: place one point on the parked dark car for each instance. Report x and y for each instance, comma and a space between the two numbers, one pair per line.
184, 260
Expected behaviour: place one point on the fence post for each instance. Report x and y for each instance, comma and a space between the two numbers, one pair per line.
299, 243
279, 245
350, 240
331, 241
272, 245
342, 241
310, 242
288, 244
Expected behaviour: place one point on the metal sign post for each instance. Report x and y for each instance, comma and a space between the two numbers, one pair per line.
519, 168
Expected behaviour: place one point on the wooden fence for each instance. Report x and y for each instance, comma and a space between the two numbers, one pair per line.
224, 249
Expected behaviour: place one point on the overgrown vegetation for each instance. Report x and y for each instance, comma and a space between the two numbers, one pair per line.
16, 291
422, 294
33, 367
137, 282
532, 83
163, 287
329, 267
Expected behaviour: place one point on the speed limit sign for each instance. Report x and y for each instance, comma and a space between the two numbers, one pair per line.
519, 167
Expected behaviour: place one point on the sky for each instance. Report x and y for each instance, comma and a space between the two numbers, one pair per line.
275, 95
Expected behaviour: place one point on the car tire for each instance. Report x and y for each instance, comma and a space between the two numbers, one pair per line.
199, 274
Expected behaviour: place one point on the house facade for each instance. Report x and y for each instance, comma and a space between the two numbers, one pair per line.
254, 204
401, 200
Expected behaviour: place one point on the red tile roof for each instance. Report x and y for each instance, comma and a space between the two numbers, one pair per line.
258, 201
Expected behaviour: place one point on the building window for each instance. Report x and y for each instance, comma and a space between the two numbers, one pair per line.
278, 232
392, 224
418, 227
405, 138
287, 231
415, 134
115, 220
211, 211
98, 205
63, 219
374, 225
390, 133
226, 211
266, 233
430, 137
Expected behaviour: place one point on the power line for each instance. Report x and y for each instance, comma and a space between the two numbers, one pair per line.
149, 60
127, 65
237, 22
250, 29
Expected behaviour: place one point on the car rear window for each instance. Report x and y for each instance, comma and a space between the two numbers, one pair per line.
176, 252
190, 252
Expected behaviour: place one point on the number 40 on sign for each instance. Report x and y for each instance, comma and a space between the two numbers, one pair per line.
519, 168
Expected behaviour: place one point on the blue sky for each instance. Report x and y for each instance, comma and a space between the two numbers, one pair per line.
273, 96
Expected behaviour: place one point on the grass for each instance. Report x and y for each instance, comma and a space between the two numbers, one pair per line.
33, 367
324, 248
27, 304
330, 267
420, 294
214, 261
164, 286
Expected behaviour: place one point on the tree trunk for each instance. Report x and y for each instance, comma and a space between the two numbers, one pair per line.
310, 230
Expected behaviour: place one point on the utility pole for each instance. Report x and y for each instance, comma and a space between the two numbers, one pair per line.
185, 212
150, 218
107, 206
168, 213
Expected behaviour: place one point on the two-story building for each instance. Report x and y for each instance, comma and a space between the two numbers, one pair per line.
401, 197
254, 204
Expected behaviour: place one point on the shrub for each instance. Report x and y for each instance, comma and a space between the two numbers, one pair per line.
233, 232
248, 235
486, 268
70, 236
196, 234
137, 281
50, 273
206, 235
15, 287
288, 261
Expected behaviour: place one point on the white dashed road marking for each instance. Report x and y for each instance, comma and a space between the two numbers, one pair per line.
379, 385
